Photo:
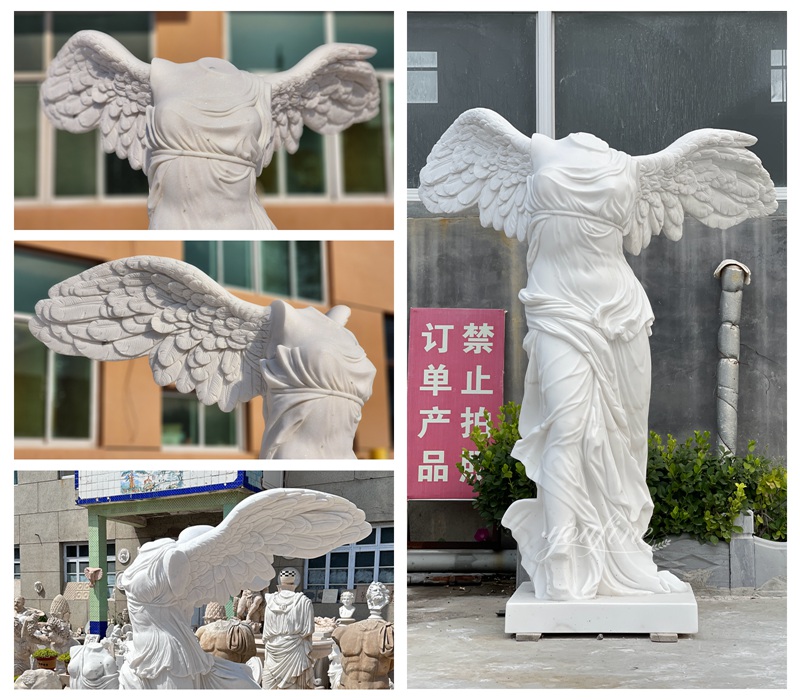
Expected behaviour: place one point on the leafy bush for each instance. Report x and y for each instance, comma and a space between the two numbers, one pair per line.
696, 490
46, 653
494, 475
65, 658
699, 491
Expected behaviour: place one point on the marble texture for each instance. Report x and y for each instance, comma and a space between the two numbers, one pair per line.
203, 131
311, 371
577, 203
169, 578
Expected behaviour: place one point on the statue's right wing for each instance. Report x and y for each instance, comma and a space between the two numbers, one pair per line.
292, 523
481, 159
94, 81
197, 335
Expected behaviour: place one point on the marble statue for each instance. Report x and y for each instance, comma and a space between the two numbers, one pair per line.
38, 679
311, 371
577, 203
367, 647
57, 628
233, 640
203, 131
170, 578
335, 666
27, 638
93, 667
214, 611
288, 632
251, 609
347, 609
93, 574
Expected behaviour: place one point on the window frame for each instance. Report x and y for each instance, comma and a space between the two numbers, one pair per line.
546, 88
17, 563
352, 549
83, 562
237, 412
46, 140
332, 144
94, 390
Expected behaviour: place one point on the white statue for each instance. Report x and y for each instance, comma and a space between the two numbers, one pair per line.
203, 131
347, 609
312, 372
38, 679
27, 638
170, 578
576, 203
92, 667
288, 632
367, 647
58, 629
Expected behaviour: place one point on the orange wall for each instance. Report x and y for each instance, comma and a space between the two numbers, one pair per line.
184, 37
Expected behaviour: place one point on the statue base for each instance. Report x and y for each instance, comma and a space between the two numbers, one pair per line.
670, 613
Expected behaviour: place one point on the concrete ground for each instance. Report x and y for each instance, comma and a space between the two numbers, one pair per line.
456, 640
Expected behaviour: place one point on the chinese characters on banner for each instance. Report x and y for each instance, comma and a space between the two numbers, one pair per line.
455, 374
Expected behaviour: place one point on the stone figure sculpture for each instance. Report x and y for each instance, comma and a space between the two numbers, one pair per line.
27, 638
577, 203
311, 371
367, 647
93, 667
169, 578
250, 608
347, 608
38, 679
233, 640
203, 131
288, 632
58, 629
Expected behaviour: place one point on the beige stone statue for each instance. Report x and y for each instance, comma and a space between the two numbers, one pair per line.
228, 639
250, 608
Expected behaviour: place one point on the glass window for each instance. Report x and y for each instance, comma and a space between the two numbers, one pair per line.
371, 559
286, 268
53, 394
640, 80
76, 559
73, 159
186, 422
374, 29
17, 566
274, 41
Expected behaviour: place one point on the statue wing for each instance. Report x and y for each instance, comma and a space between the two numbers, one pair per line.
94, 81
708, 173
481, 159
238, 553
330, 89
197, 335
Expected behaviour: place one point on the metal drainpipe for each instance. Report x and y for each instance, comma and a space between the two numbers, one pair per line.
462, 560
733, 275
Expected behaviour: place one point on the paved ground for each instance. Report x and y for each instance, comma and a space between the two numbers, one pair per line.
456, 640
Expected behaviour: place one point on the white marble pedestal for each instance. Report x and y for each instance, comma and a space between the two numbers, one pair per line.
665, 613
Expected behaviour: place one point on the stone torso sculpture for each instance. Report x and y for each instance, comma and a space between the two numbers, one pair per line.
311, 371
577, 203
169, 578
288, 632
233, 640
367, 647
203, 131
93, 667
251, 609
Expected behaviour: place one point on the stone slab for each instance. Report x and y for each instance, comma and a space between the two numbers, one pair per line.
674, 613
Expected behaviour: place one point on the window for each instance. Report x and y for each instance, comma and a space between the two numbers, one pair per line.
638, 80
76, 559
17, 568
282, 268
357, 162
371, 559
54, 395
185, 422
50, 163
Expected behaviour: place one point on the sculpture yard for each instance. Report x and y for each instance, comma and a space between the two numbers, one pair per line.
203, 131
576, 203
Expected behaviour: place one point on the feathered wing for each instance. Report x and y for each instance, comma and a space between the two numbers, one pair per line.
94, 81
330, 89
708, 173
481, 159
238, 553
197, 335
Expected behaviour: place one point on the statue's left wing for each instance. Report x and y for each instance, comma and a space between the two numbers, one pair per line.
330, 89
708, 173
238, 553
94, 81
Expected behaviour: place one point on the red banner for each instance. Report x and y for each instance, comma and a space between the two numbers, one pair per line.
455, 374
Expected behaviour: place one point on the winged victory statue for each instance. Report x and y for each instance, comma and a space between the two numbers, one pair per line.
169, 578
311, 371
203, 131
577, 203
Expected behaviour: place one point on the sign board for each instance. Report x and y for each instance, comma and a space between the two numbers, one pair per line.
455, 375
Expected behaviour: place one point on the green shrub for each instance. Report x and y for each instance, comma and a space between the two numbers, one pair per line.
46, 653
696, 490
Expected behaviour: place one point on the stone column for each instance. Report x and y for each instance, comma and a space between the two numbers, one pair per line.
98, 598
